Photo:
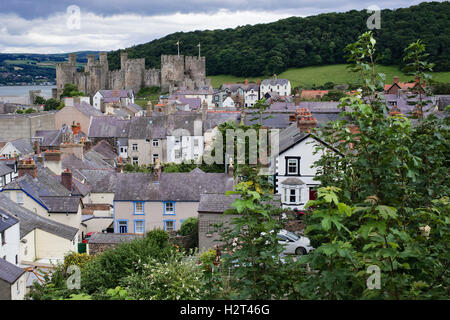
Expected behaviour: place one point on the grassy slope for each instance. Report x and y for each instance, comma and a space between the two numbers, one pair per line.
319, 75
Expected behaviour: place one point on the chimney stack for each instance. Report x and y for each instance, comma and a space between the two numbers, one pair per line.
204, 110
246, 82
305, 120
394, 111
297, 99
396, 79
52, 160
37, 148
87, 146
27, 167
157, 170
119, 165
66, 179
76, 128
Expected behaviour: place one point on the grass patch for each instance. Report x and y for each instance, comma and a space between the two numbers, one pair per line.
319, 75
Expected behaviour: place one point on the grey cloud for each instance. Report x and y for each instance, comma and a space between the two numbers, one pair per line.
31, 9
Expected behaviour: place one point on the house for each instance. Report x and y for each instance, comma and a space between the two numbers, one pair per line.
79, 113
52, 139
12, 282
6, 174
147, 139
20, 148
282, 87
294, 174
104, 99
204, 94
185, 141
107, 152
250, 91
115, 131
402, 87
210, 213
228, 103
36, 189
144, 202
41, 239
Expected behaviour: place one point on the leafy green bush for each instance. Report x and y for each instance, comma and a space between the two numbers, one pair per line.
109, 268
189, 227
177, 278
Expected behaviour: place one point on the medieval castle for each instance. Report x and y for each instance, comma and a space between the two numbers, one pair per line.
176, 72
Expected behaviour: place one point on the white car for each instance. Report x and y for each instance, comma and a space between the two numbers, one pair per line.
293, 243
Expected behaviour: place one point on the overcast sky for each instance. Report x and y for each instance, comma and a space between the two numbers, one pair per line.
46, 26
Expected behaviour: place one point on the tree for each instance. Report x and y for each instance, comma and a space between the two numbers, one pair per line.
39, 100
71, 90
51, 104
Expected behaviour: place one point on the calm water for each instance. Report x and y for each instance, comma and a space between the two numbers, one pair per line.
21, 91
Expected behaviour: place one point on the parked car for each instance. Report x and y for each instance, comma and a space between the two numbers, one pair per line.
293, 243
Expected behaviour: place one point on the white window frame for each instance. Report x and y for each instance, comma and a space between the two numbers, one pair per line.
296, 162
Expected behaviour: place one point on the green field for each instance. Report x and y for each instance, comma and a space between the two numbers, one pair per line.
319, 75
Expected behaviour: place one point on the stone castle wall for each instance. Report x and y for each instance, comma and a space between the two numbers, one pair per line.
176, 72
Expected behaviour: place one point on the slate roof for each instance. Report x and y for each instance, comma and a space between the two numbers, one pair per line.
270, 119
53, 138
171, 186
194, 103
213, 119
290, 136
6, 220
87, 109
10, 272
116, 93
108, 127
23, 146
292, 182
30, 221
91, 160
274, 82
46, 190
105, 149
100, 181
219, 202
185, 121
4, 169
112, 238
245, 87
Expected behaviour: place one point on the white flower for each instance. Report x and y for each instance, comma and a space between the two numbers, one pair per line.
263, 233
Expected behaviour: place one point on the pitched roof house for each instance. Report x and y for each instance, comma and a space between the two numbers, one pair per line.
143, 202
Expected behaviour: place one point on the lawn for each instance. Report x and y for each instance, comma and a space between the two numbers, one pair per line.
319, 75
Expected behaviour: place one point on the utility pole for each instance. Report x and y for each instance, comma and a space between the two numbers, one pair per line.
198, 50
178, 44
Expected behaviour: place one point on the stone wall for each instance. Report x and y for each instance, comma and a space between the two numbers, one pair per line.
18, 126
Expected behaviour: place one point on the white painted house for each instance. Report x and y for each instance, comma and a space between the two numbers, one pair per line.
21, 148
12, 277
294, 174
281, 87
121, 97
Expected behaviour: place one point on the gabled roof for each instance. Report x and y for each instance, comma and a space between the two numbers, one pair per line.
219, 202
87, 109
10, 272
22, 146
4, 169
116, 93
274, 82
30, 221
47, 191
171, 186
100, 181
6, 220
105, 149
109, 127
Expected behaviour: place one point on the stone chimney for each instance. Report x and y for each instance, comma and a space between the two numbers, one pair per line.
305, 120
37, 148
157, 170
204, 110
73, 148
66, 179
52, 160
27, 167
149, 109
297, 99
87, 146
396, 79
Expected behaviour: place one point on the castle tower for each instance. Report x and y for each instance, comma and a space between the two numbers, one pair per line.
172, 71
72, 59
123, 60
